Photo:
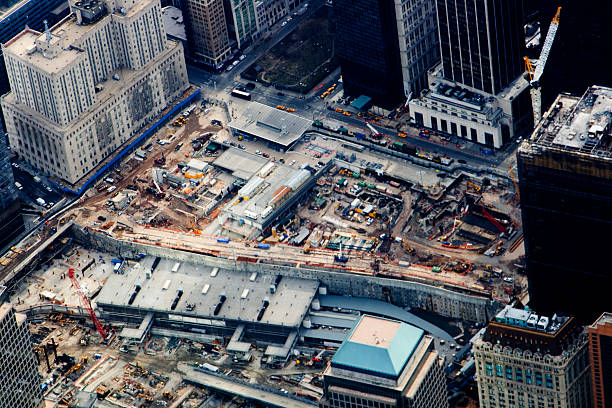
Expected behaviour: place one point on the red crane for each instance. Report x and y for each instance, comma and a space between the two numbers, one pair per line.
86, 303
489, 217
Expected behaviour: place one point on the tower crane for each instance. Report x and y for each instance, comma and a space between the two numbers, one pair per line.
86, 303
534, 75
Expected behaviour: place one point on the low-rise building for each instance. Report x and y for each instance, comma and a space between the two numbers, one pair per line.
385, 363
453, 109
524, 360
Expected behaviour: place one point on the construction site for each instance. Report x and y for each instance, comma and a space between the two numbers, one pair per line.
207, 259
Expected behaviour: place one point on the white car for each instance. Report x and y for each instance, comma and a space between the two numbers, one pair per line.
257, 152
508, 279
292, 162
284, 24
242, 57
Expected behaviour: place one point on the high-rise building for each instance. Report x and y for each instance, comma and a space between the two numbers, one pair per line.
29, 13
565, 183
478, 92
82, 89
11, 221
600, 350
385, 48
385, 363
482, 42
206, 30
19, 379
525, 360
241, 17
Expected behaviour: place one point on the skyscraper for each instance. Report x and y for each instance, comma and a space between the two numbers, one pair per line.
206, 30
385, 363
385, 48
19, 379
565, 183
600, 350
527, 360
482, 42
82, 89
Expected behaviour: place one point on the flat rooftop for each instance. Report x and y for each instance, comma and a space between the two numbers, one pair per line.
240, 163
604, 319
271, 124
378, 347
267, 191
576, 124
23, 45
173, 22
244, 298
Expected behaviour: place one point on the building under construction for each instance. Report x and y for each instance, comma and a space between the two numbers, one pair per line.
565, 181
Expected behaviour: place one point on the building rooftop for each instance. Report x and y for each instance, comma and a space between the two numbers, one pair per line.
266, 191
271, 124
26, 45
173, 23
378, 346
525, 329
573, 124
201, 293
604, 319
240, 163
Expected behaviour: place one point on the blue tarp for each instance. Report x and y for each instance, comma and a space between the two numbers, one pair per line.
147, 133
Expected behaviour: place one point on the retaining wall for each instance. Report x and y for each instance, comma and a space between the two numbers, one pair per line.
402, 293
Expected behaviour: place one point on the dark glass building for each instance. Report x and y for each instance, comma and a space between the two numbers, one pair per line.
481, 42
368, 49
565, 183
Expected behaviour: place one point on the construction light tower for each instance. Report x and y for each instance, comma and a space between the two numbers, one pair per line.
535, 75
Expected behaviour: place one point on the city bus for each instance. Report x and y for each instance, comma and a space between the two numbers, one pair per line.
241, 94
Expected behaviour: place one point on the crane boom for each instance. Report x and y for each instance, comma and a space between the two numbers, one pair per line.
86, 303
535, 74
548, 42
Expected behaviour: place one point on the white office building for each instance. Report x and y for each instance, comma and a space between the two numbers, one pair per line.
86, 86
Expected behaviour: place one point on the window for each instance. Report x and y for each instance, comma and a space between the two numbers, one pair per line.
463, 131
444, 125
434, 123
489, 368
499, 370
473, 135
528, 376
453, 128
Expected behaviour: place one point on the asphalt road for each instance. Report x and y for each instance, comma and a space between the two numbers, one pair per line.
33, 190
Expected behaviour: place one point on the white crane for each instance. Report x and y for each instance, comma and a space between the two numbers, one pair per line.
534, 75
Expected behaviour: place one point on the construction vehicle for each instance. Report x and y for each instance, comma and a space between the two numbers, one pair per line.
535, 75
86, 303
340, 257
161, 161
307, 247
474, 186
168, 395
